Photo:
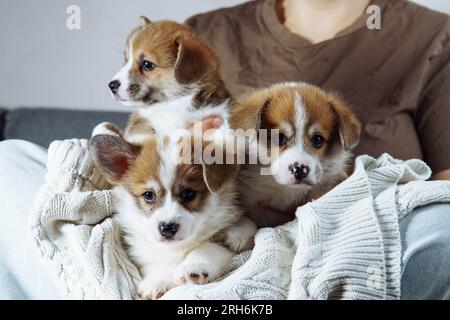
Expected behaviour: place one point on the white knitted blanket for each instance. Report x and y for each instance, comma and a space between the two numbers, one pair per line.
345, 245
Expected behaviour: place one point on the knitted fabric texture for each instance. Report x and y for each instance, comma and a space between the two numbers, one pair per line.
345, 245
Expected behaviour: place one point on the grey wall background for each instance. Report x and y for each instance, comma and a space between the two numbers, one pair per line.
42, 63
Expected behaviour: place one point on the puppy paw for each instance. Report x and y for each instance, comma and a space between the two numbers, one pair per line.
196, 273
150, 289
240, 236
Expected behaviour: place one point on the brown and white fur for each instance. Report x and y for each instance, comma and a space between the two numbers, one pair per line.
182, 87
317, 133
174, 215
171, 77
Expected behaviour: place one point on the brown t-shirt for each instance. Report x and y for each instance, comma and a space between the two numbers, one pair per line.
397, 79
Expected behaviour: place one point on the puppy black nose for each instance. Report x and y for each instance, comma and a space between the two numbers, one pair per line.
299, 171
114, 86
168, 230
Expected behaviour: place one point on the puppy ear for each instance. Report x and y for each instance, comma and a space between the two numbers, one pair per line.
193, 60
348, 125
112, 155
250, 112
218, 175
219, 165
144, 21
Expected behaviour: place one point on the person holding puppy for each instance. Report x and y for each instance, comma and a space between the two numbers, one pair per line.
396, 79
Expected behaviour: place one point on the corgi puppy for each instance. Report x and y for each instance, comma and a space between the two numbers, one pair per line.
172, 77
317, 131
174, 214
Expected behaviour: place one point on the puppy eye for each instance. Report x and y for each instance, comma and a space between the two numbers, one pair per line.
147, 65
187, 195
149, 197
317, 141
282, 140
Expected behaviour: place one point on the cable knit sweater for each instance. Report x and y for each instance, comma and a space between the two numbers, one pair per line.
345, 245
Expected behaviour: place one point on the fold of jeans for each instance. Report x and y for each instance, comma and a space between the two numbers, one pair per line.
22, 275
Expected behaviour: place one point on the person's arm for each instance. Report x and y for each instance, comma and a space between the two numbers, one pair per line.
443, 175
432, 118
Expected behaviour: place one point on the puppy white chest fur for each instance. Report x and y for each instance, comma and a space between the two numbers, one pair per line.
267, 201
165, 118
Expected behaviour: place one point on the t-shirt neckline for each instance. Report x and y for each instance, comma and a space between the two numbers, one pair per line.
292, 40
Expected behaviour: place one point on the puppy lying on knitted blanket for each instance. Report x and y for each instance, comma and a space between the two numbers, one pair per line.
174, 214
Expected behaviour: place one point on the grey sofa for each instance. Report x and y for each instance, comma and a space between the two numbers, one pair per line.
43, 125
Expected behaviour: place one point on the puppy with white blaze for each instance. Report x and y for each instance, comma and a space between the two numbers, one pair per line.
172, 78
175, 215
317, 131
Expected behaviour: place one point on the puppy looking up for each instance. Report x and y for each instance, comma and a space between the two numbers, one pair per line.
174, 214
317, 131
172, 76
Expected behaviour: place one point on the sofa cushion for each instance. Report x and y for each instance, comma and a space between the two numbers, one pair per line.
43, 125
2, 118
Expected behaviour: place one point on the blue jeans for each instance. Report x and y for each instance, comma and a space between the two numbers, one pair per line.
425, 235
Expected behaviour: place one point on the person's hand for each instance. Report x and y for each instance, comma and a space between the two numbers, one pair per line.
206, 127
210, 123
443, 175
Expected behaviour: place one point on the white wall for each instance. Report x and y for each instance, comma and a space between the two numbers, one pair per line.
441, 5
42, 63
